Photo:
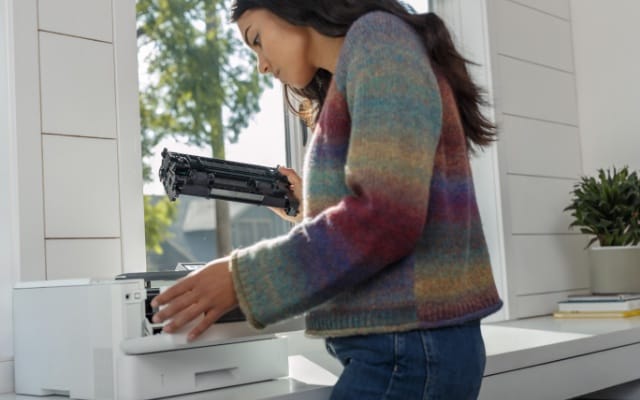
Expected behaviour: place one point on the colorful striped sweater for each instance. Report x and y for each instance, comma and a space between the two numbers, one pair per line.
392, 238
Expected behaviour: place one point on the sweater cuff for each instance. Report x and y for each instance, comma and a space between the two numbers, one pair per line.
241, 294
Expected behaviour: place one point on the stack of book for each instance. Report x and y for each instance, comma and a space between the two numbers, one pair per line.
599, 306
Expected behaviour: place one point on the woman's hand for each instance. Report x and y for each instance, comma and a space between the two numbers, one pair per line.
207, 292
295, 185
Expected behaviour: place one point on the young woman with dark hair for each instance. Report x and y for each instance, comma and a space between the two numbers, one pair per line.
388, 260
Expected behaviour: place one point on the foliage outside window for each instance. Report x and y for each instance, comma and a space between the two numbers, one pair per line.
199, 87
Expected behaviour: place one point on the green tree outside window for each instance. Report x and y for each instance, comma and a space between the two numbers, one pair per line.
203, 90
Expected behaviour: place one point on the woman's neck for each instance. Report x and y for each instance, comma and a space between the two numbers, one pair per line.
325, 51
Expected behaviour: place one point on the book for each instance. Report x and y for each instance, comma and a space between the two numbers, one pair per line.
601, 305
603, 297
596, 314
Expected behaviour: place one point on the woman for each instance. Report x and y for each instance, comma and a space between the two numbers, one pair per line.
390, 261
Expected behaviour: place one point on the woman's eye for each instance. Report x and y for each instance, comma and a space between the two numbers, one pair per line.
256, 40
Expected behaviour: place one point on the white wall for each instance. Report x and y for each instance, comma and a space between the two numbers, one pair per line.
539, 150
526, 51
70, 162
607, 55
468, 24
7, 209
562, 77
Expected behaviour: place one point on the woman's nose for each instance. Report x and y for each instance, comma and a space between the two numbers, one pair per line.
263, 66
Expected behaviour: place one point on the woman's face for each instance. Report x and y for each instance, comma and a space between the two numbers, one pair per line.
282, 48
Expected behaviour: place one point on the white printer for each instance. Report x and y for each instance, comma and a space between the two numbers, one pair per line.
92, 339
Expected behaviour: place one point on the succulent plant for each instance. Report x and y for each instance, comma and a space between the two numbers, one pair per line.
608, 207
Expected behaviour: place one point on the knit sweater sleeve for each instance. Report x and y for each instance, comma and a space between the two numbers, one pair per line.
395, 111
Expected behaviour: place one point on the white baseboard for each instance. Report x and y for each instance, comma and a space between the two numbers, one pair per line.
6, 376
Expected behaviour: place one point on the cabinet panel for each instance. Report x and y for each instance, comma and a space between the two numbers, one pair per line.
559, 8
537, 204
541, 148
525, 306
85, 18
550, 263
534, 91
78, 86
528, 34
81, 187
83, 258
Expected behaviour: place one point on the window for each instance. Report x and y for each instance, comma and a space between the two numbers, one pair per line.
200, 95
196, 87
420, 6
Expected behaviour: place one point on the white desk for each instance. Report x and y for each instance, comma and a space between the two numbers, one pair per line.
547, 358
536, 359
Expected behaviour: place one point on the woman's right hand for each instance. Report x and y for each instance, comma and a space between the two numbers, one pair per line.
295, 186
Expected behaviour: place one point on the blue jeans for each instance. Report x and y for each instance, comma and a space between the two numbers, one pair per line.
444, 363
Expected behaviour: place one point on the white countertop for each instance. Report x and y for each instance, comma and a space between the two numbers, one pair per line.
533, 341
510, 346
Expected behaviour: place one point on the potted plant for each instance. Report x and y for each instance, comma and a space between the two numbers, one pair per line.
608, 208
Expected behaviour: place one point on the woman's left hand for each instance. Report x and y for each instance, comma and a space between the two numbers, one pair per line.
208, 291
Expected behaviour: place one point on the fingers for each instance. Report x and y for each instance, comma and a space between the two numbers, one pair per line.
290, 173
295, 186
279, 212
191, 313
181, 286
209, 318
176, 306
293, 178
183, 317
206, 292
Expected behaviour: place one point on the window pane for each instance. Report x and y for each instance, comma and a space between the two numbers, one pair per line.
184, 102
420, 6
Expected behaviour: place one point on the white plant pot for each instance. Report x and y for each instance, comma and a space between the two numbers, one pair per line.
615, 269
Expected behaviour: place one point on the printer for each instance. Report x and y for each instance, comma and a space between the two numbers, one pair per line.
93, 339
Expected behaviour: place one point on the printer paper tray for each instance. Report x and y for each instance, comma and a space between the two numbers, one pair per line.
224, 333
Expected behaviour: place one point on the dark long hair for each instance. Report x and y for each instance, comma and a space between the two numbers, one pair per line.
334, 17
